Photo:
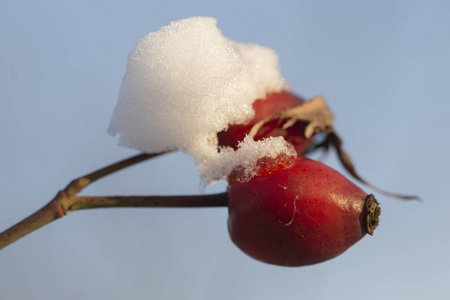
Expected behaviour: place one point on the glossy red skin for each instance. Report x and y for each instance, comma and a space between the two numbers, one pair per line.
298, 216
274, 103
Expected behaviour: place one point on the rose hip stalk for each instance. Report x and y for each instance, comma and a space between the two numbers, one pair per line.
297, 211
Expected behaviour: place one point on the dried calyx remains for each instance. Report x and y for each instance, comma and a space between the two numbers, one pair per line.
225, 103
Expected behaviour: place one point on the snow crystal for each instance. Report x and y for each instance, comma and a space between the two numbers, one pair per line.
246, 157
186, 82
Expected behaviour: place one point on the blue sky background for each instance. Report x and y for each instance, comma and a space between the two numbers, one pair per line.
382, 65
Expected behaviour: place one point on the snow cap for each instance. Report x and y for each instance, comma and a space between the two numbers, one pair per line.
186, 82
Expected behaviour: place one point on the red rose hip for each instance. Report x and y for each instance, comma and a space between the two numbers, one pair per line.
273, 104
298, 215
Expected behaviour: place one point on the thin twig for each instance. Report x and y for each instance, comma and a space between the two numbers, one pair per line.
87, 202
67, 201
63, 204
77, 185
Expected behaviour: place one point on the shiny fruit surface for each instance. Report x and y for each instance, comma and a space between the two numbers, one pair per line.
303, 214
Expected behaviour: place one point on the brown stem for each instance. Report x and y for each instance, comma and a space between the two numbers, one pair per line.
63, 204
87, 202
60, 205
77, 185
45, 215
335, 140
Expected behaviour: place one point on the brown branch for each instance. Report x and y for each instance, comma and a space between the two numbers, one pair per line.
77, 185
88, 202
45, 215
64, 204
66, 201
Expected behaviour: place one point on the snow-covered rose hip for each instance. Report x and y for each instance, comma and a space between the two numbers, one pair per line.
185, 83
271, 105
297, 211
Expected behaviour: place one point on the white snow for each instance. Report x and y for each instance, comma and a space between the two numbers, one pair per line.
186, 82
246, 157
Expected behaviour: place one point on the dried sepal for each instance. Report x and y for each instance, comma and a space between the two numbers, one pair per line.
314, 111
334, 140
320, 119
